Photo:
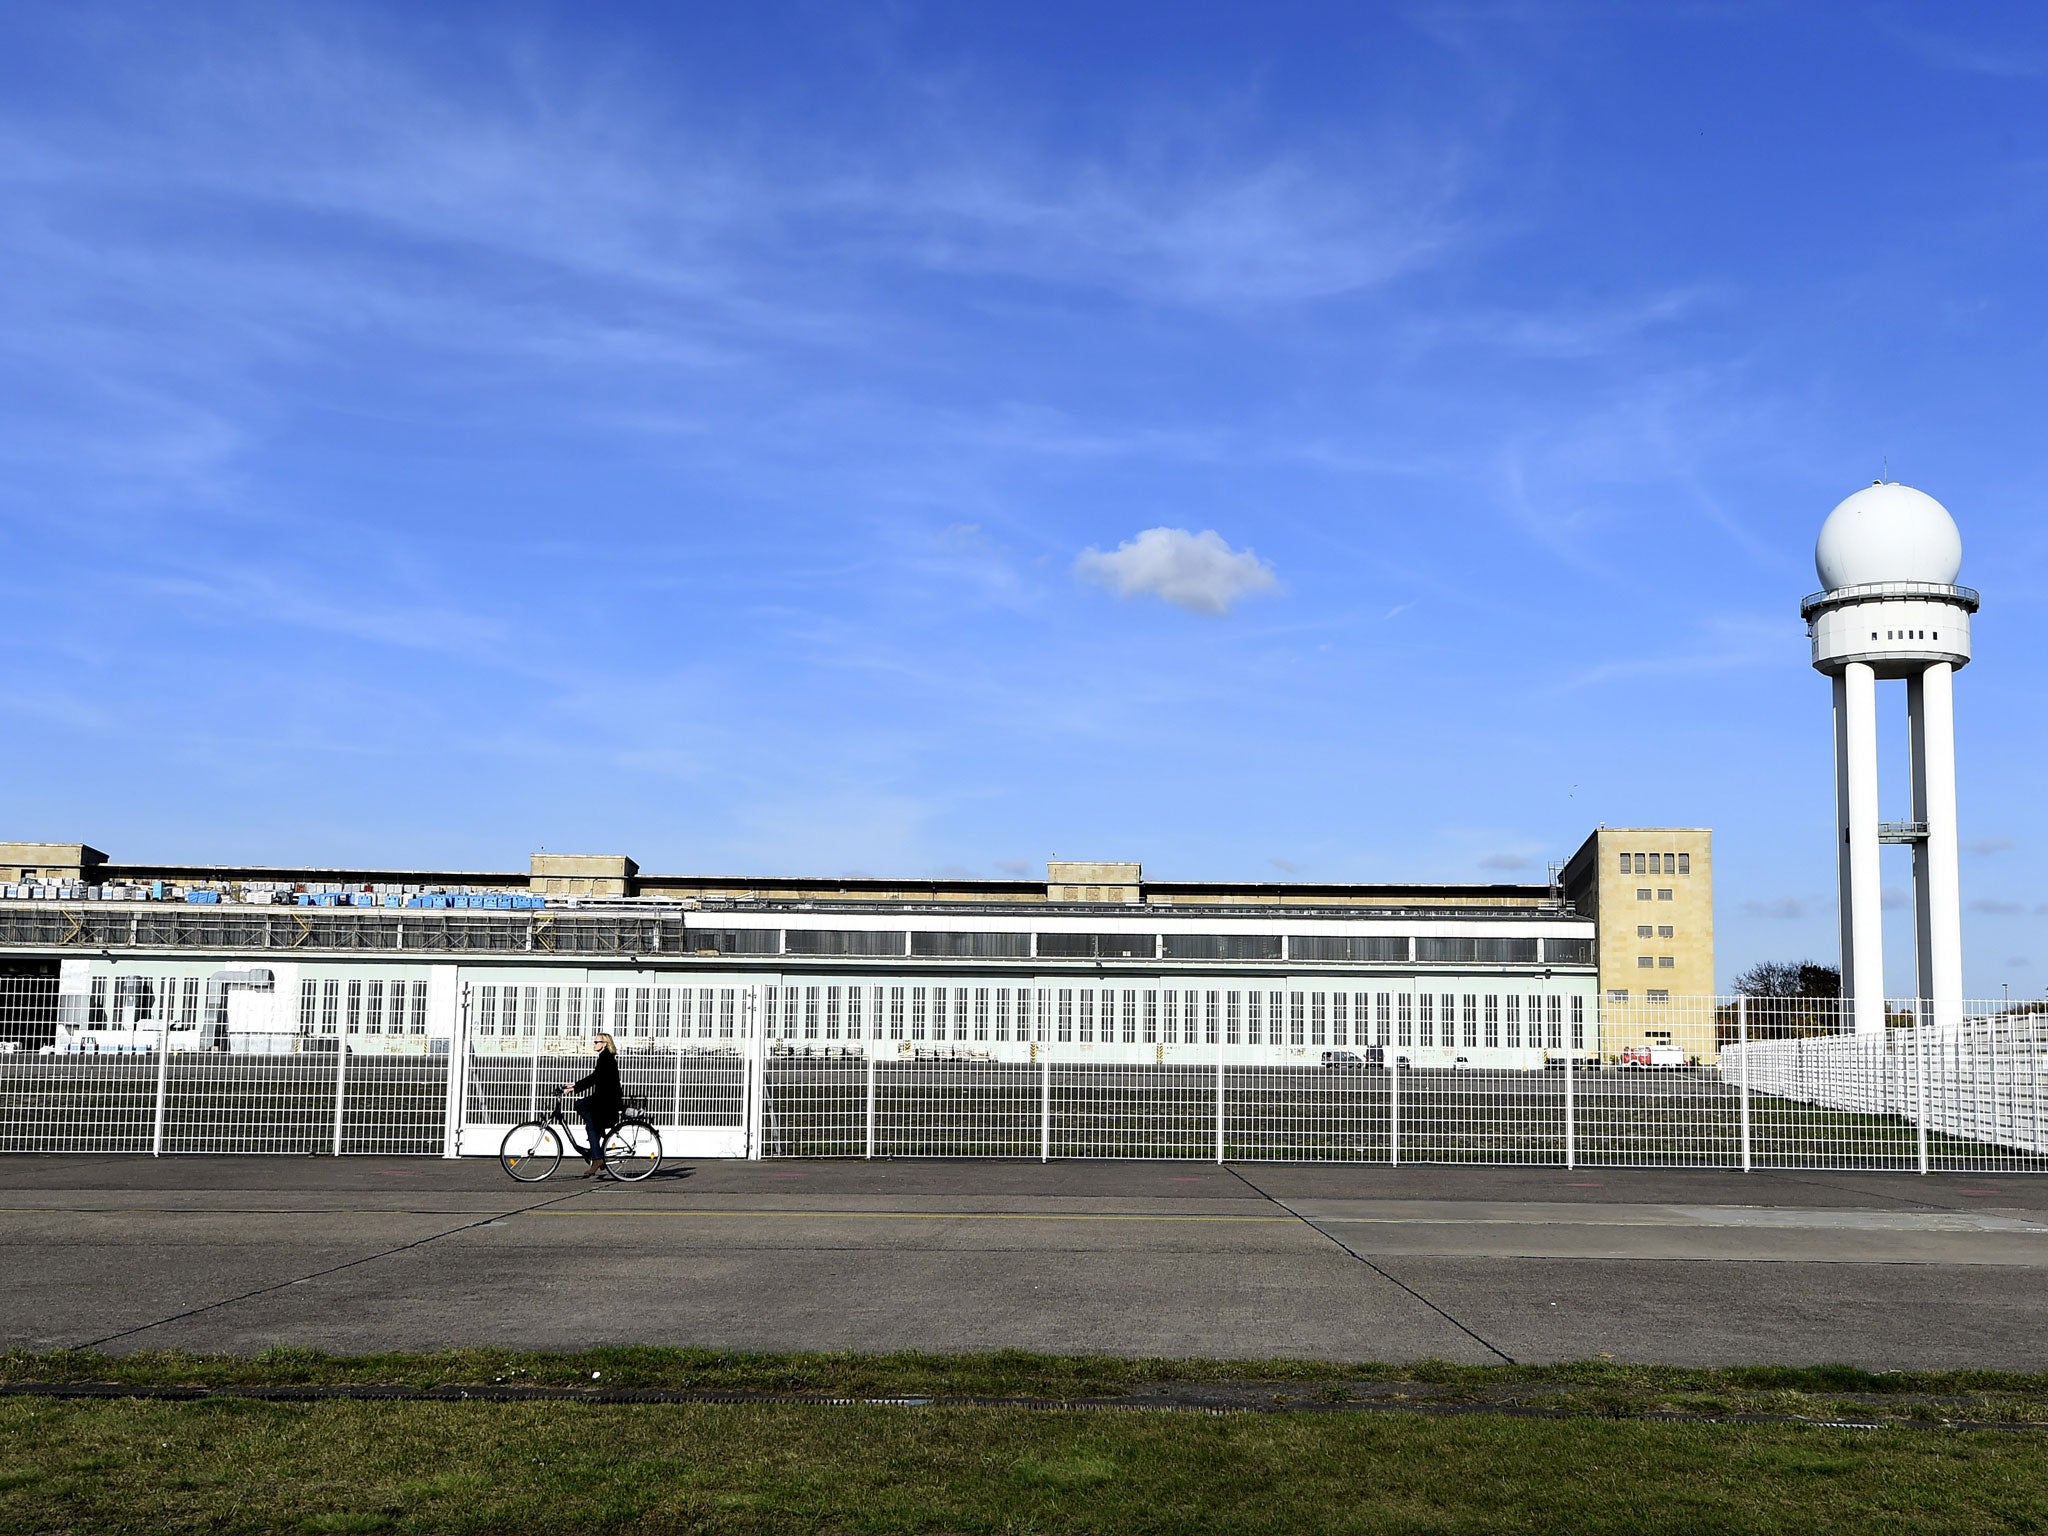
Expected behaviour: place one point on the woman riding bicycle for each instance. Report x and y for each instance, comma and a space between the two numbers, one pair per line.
602, 1105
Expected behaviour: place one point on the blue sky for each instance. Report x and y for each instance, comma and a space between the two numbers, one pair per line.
730, 435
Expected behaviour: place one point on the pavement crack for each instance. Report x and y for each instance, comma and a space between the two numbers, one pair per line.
1394, 1280
332, 1269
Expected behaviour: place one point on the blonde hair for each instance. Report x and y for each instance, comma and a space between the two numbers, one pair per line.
606, 1043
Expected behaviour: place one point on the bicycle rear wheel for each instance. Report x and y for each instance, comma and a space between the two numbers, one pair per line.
632, 1150
530, 1151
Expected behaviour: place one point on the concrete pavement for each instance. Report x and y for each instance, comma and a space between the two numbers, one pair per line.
1347, 1263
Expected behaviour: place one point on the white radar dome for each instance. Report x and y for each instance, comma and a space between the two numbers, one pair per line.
1888, 532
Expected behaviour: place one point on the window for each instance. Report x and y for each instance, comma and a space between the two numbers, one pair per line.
1617, 994
1641, 863
1664, 894
979, 946
1402, 1002
1663, 931
1657, 995
1252, 1028
486, 1010
1088, 1016
1351, 947
1318, 1020
735, 941
1151, 1018
1644, 930
1670, 863
917, 1014
309, 994
1066, 1013
1568, 951
1340, 1018
1131, 1017
419, 1007
1578, 1023
842, 941
355, 1007
1625, 865
1643, 893
1644, 962
1231, 1014
1090, 946
1665, 962
1294, 1019
1514, 1022
1229, 946
373, 1012
1425, 1018
1685, 863
1492, 1021
1471, 1019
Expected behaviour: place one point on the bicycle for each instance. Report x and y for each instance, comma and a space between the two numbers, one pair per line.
532, 1149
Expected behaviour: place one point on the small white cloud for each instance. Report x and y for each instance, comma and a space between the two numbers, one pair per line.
1506, 861
1285, 866
1896, 898
1988, 845
1197, 571
1781, 909
1994, 908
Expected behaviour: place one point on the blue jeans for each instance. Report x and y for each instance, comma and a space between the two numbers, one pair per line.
594, 1127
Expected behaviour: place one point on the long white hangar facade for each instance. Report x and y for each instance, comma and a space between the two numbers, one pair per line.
1095, 963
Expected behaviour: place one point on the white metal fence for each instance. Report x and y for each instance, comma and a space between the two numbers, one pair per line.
1707, 1082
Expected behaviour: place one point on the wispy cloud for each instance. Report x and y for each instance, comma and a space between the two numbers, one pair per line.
1992, 906
1988, 845
1776, 909
1196, 571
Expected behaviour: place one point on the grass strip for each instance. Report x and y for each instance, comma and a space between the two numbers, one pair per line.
235, 1466
1596, 1388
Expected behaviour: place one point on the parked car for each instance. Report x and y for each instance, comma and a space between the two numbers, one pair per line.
1353, 1061
1653, 1058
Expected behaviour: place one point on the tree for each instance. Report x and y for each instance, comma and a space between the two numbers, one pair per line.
1789, 978
1788, 998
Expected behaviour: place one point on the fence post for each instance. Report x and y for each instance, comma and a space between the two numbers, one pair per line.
757, 1075
1219, 1101
163, 1074
1045, 1109
1742, 1037
340, 1086
455, 1105
1393, 1109
1571, 1146
1920, 1071
872, 1072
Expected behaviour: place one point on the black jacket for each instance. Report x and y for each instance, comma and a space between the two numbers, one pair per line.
604, 1097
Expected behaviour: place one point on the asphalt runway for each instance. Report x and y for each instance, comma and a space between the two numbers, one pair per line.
1340, 1262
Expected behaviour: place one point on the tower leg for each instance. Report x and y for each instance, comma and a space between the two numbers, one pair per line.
1862, 892
1937, 884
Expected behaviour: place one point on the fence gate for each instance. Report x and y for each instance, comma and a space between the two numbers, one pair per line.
698, 1100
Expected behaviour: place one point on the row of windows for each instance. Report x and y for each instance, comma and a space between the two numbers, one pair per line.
1341, 948
362, 1007
138, 999
1646, 931
1653, 995
1661, 962
999, 1015
1644, 893
1655, 863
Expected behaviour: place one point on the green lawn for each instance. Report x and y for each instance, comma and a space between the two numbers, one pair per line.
344, 1466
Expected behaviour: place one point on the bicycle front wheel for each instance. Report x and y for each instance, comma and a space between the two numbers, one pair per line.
530, 1151
632, 1150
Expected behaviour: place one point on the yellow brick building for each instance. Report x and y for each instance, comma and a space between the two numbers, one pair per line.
1650, 891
